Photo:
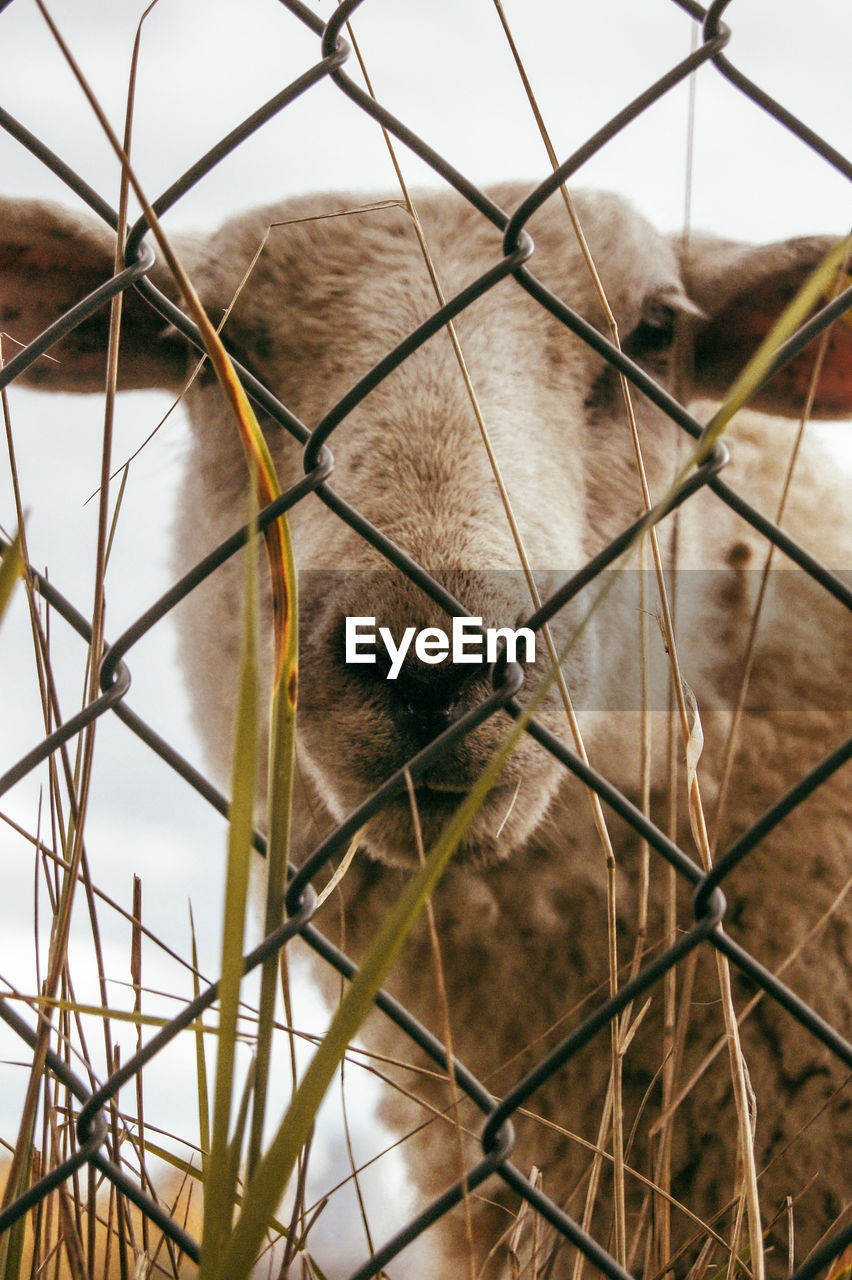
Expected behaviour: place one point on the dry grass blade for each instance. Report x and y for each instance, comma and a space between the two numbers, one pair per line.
341, 869
282, 574
13, 1241
279, 550
446, 1031
556, 666
62, 921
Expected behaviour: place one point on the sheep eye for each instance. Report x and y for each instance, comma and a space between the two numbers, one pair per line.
654, 334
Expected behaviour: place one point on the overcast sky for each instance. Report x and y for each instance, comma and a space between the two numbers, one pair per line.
443, 66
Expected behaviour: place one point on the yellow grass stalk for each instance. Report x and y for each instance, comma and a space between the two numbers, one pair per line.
11, 565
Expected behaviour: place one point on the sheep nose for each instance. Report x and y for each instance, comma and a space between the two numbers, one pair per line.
421, 681
429, 701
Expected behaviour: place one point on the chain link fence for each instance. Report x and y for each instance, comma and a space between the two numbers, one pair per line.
92, 1119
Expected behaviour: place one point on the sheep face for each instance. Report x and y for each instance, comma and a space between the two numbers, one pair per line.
328, 299
411, 459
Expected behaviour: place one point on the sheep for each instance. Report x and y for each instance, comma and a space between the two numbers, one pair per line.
522, 913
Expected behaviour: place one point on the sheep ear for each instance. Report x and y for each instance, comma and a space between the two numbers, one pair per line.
741, 290
49, 260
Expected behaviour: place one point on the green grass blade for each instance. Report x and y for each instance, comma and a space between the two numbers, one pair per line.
116, 509
200, 1059
220, 1186
270, 1179
188, 1170
11, 565
235, 1146
184, 1167
282, 746
101, 1011
318, 1273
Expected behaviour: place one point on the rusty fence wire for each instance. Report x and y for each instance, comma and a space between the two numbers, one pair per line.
709, 904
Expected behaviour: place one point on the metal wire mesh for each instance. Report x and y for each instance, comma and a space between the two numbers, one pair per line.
709, 904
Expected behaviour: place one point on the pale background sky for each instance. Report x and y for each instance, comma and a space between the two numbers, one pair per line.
444, 67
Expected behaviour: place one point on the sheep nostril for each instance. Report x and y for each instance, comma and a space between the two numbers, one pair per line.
429, 701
